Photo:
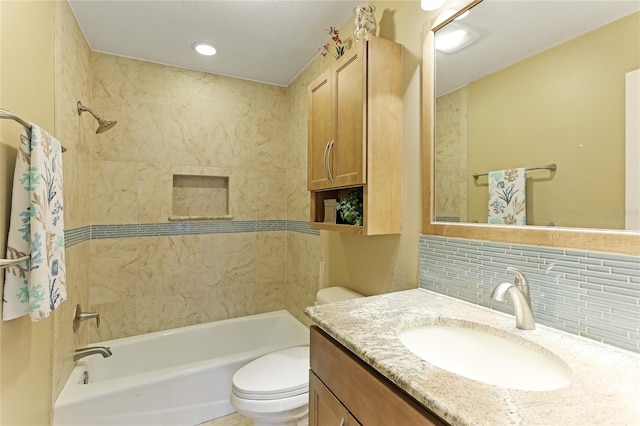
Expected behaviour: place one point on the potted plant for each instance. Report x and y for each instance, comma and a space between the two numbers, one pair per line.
351, 207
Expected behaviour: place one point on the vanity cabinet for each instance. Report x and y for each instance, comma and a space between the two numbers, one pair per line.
325, 408
355, 136
342, 387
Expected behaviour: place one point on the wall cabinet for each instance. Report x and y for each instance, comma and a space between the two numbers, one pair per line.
355, 135
343, 387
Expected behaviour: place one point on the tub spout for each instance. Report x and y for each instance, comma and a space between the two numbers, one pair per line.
92, 350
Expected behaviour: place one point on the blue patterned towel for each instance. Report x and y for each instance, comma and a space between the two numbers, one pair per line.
36, 229
507, 197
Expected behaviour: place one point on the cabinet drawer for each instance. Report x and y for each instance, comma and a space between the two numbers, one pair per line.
324, 407
369, 396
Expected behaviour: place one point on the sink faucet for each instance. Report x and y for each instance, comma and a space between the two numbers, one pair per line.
92, 350
519, 292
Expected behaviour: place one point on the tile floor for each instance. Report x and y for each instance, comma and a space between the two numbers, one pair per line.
234, 419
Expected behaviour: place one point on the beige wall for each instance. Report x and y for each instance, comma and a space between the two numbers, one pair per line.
72, 83
505, 131
175, 121
27, 70
381, 264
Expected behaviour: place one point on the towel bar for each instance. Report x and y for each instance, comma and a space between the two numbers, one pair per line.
6, 114
5, 263
552, 167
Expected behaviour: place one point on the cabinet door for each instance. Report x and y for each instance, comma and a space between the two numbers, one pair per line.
324, 407
347, 152
320, 131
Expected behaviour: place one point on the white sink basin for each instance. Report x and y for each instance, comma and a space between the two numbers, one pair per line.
488, 358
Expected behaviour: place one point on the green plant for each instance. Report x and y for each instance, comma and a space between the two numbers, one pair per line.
350, 208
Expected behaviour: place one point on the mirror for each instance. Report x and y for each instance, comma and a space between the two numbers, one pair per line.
537, 85
453, 181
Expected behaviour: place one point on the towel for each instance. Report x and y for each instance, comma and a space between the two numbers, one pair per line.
36, 229
507, 197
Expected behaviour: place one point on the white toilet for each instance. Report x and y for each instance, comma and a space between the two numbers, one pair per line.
274, 389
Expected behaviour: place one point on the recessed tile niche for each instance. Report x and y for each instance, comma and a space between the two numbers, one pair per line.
200, 197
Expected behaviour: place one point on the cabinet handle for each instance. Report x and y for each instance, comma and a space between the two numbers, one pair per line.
329, 160
324, 160
341, 422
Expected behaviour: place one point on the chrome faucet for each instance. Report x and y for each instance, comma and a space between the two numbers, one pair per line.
92, 350
519, 292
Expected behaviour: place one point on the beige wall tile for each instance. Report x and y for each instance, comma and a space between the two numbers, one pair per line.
72, 83
114, 267
298, 199
117, 319
228, 302
165, 312
155, 183
167, 266
114, 192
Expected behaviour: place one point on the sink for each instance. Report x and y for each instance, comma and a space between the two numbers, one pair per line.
487, 356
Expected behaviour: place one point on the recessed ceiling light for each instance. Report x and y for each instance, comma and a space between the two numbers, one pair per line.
205, 49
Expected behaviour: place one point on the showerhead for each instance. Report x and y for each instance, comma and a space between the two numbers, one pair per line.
103, 125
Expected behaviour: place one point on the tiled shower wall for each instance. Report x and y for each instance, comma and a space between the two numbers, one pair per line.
148, 273
591, 294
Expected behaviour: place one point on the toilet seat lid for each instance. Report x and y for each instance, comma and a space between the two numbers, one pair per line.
277, 375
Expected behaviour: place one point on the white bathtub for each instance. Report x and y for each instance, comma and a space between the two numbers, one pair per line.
175, 377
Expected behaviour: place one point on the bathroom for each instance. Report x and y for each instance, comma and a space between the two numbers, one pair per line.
143, 279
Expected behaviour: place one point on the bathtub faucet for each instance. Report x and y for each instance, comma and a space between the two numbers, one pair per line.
92, 350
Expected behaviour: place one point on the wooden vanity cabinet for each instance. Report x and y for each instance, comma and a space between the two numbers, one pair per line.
355, 135
343, 387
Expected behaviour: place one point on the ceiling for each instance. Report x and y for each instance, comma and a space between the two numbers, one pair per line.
272, 41
510, 31
269, 41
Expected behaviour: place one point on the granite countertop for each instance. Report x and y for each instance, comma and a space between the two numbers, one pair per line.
605, 388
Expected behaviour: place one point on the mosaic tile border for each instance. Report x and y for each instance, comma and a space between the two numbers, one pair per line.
98, 232
590, 294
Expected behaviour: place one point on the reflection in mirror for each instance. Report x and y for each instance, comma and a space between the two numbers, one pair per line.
535, 84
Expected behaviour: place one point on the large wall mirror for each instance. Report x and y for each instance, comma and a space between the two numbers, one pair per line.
531, 123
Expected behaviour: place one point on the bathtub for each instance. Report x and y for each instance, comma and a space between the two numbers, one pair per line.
174, 377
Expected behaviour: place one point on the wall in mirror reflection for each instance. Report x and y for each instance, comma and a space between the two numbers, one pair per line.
564, 106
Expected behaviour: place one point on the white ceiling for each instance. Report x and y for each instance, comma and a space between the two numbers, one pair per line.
270, 41
510, 31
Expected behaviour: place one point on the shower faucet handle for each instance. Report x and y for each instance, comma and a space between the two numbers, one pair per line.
79, 316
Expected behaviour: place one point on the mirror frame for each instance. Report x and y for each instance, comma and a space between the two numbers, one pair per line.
571, 238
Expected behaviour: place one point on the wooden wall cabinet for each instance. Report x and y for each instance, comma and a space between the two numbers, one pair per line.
343, 388
355, 136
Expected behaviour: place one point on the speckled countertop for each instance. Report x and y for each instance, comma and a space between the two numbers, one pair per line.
605, 389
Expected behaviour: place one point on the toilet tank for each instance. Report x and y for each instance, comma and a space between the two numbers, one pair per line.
335, 294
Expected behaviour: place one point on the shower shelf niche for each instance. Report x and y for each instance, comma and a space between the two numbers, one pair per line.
200, 197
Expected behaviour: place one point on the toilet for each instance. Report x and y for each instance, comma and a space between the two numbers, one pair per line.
274, 389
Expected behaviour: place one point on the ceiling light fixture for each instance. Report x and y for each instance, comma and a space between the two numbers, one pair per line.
431, 4
453, 37
462, 15
205, 49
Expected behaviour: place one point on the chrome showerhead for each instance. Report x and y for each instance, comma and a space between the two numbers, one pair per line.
103, 125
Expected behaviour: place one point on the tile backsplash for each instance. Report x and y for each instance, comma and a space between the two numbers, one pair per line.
591, 294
